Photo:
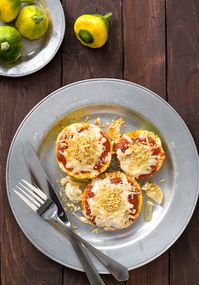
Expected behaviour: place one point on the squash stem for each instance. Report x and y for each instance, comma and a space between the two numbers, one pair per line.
37, 19
5, 46
108, 16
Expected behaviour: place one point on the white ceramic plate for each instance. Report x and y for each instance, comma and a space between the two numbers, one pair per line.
141, 108
38, 53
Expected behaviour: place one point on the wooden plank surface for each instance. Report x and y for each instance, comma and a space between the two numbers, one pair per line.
144, 43
183, 61
144, 63
72, 277
80, 62
154, 43
183, 95
21, 263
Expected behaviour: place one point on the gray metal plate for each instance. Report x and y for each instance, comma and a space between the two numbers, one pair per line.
38, 53
141, 108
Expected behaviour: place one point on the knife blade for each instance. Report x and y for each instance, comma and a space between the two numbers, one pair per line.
40, 177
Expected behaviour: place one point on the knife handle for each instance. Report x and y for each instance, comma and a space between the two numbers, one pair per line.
119, 271
91, 272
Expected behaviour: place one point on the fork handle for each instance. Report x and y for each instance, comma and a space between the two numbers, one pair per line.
91, 272
119, 271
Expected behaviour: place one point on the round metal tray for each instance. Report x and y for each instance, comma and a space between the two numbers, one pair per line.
141, 109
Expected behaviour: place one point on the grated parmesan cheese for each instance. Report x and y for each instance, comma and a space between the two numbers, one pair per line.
148, 210
73, 193
98, 122
84, 149
83, 219
110, 205
114, 129
138, 158
95, 231
154, 192
71, 190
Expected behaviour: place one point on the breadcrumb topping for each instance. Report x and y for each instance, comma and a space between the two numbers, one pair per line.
138, 159
110, 207
109, 198
84, 146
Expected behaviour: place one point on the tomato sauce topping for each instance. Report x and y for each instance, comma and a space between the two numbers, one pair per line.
60, 156
152, 142
89, 194
123, 145
133, 199
107, 149
62, 147
116, 180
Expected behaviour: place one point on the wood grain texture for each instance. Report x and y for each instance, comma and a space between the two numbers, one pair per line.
21, 263
144, 63
144, 43
183, 61
80, 62
72, 277
155, 272
185, 255
144, 47
183, 95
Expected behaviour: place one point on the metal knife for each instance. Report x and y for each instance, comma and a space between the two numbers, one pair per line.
43, 182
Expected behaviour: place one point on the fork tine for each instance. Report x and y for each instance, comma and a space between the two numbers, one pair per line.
31, 205
32, 193
36, 190
28, 196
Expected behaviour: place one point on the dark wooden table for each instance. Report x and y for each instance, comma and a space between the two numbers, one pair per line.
154, 43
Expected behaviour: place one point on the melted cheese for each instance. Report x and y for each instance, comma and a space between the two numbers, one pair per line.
84, 149
154, 192
148, 211
138, 157
114, 129
73, 192
110, 205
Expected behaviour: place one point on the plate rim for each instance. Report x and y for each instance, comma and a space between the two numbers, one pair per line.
16, 75
79, 83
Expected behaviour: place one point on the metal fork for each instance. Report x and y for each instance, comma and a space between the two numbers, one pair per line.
47, 209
